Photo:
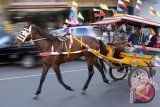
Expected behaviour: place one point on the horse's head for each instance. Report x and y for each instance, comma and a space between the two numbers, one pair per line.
25, 35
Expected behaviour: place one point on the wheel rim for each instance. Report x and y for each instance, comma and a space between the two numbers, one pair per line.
139, 74
119, 74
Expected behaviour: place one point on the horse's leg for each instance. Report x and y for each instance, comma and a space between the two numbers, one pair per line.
90, 75
100, 68
43, 76
59, 77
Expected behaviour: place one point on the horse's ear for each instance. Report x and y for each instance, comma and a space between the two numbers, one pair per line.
30, 27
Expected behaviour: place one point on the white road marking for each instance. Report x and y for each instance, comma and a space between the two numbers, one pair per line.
36, 75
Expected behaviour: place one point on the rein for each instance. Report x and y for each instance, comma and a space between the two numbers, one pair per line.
95, 52
36, 40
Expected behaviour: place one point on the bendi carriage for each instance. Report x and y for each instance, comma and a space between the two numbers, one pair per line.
139, 65
118, 60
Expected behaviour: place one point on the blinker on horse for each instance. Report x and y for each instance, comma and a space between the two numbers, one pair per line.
46, 42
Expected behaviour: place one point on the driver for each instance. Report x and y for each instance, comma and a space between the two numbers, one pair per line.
120, 36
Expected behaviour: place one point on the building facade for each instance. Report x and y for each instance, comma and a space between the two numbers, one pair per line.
52, 13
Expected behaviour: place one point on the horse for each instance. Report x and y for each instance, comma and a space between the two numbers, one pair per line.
45, 42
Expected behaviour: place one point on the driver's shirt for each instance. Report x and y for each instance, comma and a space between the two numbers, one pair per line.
136, 39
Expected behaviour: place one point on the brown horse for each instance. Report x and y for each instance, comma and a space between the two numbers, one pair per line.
46, 42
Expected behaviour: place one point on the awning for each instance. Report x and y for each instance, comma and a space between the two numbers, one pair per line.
127, 19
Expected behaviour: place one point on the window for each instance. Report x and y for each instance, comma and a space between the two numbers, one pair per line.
82, 32
97, 31
4, 40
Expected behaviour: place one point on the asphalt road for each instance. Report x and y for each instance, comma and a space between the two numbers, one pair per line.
17, 86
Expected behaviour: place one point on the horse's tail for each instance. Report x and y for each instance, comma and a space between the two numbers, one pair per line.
103, 51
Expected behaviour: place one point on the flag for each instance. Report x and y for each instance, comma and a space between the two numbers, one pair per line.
105, 7
73, 9
95, 10
77, 22
144, 48
139, 1
137, 7
152, 10
72, 22
80, 16
157, 58
101, 5
64, 26
72, 15
127, 0
158, 14
141, 53
124, 5
120, 2
156, 64
67, 21
74, 3
97, 15
102, 13
119, 9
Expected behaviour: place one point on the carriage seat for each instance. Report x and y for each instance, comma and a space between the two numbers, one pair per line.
114, 51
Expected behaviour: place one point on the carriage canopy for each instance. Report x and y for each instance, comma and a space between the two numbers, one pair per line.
127, 19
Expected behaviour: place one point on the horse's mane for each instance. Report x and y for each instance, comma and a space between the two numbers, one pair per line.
44, 33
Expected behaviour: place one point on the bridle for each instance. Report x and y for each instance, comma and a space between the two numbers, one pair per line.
25, 33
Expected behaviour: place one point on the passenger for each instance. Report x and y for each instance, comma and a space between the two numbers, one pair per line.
151, 39
137, 38
151, 42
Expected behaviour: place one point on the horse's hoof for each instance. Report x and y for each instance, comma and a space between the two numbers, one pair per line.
35, 96
83, 92
71, 89
109, 83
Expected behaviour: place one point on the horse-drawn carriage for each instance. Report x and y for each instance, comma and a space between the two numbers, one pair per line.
139, 65
55, 52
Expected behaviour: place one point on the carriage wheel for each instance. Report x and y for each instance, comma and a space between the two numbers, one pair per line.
118, 74
137, 73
